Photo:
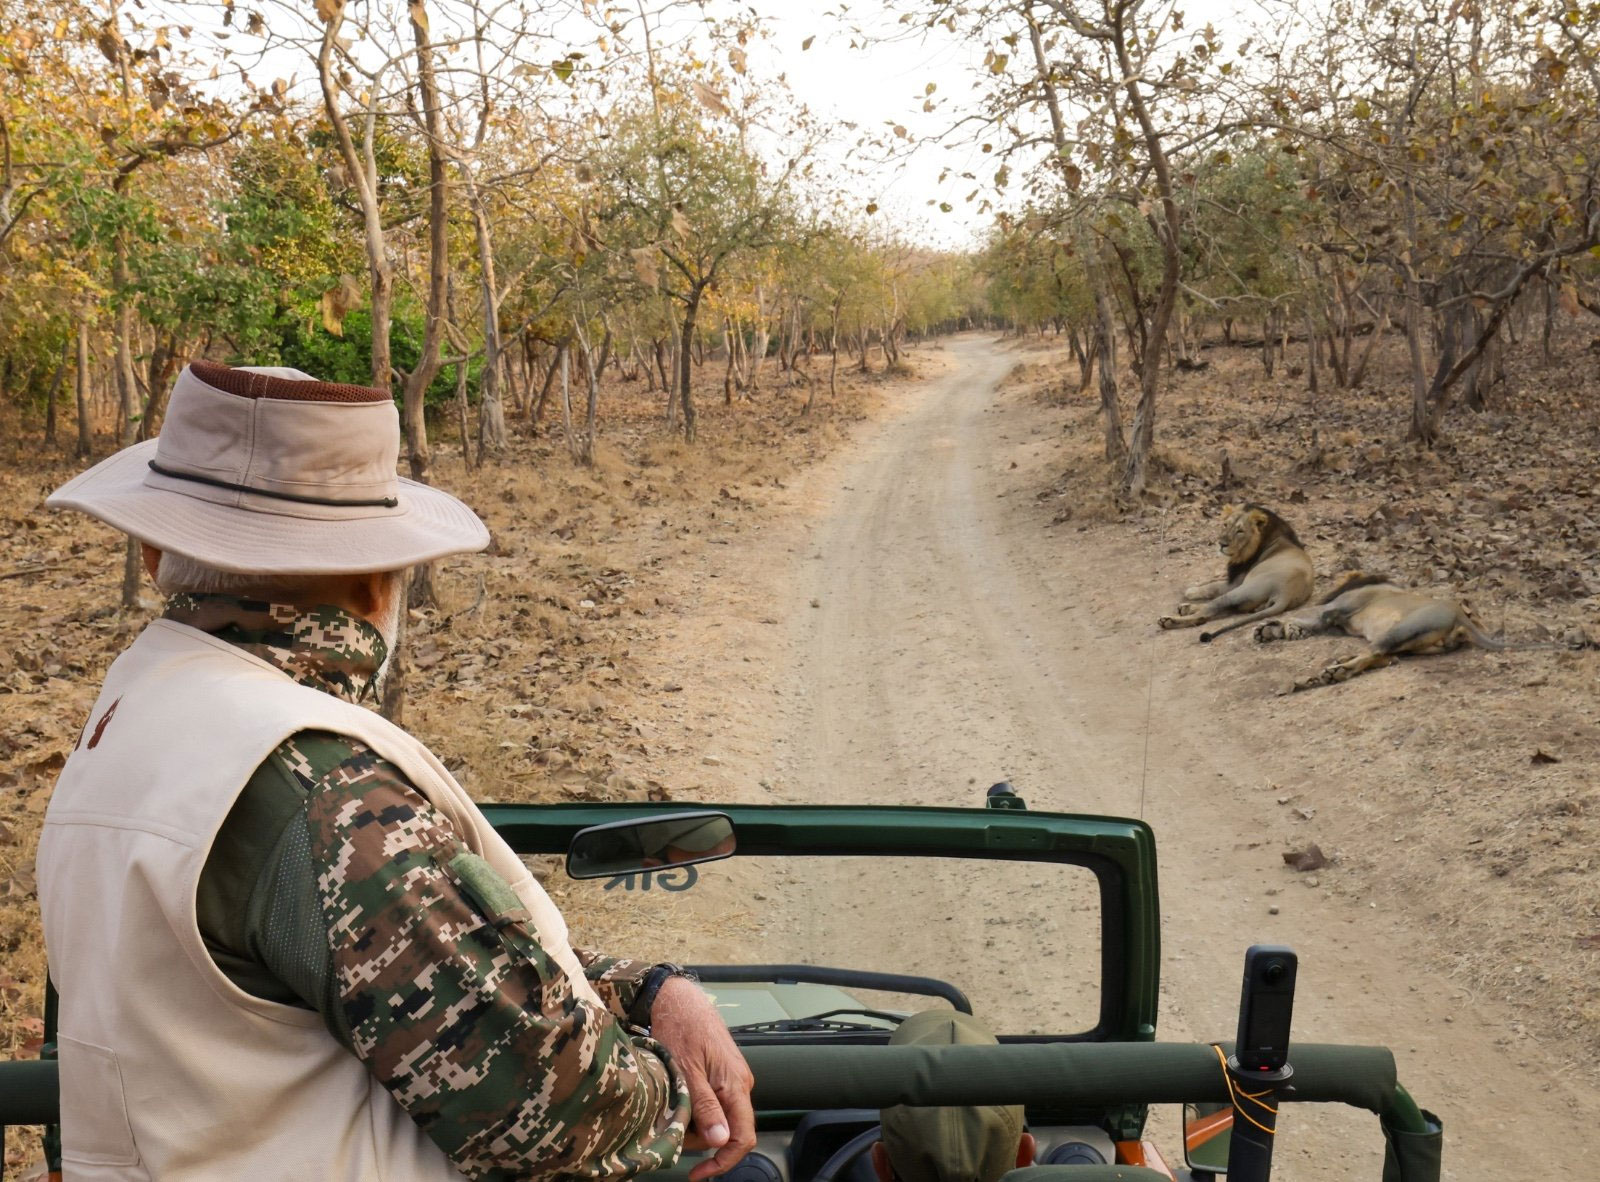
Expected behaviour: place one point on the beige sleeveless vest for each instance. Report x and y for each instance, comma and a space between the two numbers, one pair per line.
168, 1071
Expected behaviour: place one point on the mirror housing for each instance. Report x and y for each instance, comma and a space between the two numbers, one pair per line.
1207, 1131
650, 843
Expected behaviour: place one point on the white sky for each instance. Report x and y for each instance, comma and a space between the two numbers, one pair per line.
877, 87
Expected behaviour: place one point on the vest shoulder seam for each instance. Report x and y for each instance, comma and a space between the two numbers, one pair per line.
97, 820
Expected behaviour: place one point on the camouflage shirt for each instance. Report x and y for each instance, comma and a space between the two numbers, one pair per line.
334, 884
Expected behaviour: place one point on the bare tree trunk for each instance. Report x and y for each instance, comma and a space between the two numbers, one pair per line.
659, 349
491, 410
1105, 348
461, 414
566, 412
758, 347
691, 310
1313, 348
427, 367
591, 416
131, 567
833, 355
1549, 321
519, 377
128, 396
549, 381
379, 273
671, 386
605, 348
414, 400
393, 706
585, 451
85, 427
741, 360
163, 368
788, 334
1083, 356
1341, 330
1419, 377
55, 390
127, 387
1490, 372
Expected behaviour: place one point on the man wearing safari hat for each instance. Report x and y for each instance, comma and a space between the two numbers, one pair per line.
977, 1144
287, 944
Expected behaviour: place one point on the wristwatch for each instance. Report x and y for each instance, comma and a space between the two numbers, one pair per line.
639, 1012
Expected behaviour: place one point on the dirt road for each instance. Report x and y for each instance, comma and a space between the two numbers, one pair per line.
934, 639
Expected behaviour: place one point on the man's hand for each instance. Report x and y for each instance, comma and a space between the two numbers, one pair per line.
684, 1021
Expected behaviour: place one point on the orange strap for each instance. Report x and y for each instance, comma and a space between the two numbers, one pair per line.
1254, 1097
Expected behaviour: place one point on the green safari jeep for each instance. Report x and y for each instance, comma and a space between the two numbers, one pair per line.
818, 929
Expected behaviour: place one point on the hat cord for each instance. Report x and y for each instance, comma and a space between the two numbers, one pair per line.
297, 498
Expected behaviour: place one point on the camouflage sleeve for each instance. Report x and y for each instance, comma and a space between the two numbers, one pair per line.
454, 1006
616, 979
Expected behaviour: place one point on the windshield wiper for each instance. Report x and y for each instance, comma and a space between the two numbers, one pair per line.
822, 1021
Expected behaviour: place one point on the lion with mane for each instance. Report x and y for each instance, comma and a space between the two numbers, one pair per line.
1269, 572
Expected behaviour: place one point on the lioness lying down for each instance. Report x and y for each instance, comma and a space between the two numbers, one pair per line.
1269, 572
1392, 619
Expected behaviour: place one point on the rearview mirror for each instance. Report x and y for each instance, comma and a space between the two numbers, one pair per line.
1207, 1129
648, 843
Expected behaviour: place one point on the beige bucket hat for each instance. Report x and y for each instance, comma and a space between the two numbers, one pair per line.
266, 470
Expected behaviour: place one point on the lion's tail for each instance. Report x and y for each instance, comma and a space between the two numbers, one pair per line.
1496, 644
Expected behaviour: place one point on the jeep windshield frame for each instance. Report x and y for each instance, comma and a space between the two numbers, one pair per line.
1119, 852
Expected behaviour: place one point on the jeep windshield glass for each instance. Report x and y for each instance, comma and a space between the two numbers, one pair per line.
1019, 939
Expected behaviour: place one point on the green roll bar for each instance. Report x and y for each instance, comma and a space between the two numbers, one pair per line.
1037, 1075
1062, 1073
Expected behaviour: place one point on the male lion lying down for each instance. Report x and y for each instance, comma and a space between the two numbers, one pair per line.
1392, 619
1269, 572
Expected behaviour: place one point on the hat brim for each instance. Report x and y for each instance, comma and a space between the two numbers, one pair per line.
429, 524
